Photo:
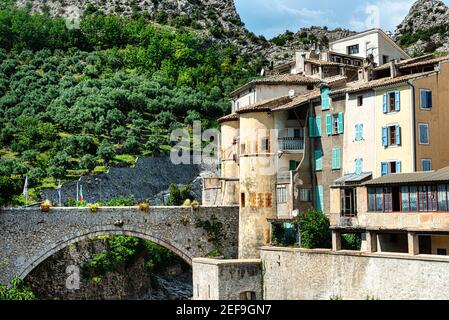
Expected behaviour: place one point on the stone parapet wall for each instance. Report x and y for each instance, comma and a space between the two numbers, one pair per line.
298, 274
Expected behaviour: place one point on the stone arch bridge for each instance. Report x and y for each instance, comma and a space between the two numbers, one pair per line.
29, 236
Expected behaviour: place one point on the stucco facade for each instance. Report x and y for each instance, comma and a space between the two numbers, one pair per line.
354, 148
404, 152
436, 117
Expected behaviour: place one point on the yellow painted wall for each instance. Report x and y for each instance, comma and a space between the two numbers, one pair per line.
437, 118
404, 152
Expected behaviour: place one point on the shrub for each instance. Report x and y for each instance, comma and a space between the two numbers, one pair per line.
314, 230
17, 291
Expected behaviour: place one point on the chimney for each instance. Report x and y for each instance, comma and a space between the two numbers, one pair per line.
393, 69
300, 61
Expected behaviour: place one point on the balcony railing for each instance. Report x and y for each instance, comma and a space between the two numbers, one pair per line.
291, 144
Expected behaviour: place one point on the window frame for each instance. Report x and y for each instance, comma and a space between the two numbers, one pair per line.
421, 90
353, 49
420, 125
360, 99
422, 162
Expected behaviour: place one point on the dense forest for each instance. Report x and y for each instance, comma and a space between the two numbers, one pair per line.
74, 101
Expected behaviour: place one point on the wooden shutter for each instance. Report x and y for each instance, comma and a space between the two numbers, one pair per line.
385, 136
397, 100
340, 122
398, 167
423, 99
311, 127
384, 169
398, 135
329, 124
384, 103
318, 127
318, 160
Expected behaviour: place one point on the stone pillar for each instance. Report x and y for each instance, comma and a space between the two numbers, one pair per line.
413, 244
336, 240
371, 241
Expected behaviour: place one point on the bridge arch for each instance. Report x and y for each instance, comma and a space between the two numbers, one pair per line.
91, 234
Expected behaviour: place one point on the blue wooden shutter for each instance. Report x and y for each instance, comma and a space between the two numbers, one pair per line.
398, 167
329, 124
385, 136
358, 132
397, 100
318, 127
361, 131
358, 166
423, 99
312, 127
319, 198
398, 135
384, 103
340, 122
384, 169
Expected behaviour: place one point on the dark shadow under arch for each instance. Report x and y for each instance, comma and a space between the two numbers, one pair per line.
42, 256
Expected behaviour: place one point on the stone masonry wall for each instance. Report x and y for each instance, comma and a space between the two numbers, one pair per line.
215, 279
298, 274
29, 236
148, 179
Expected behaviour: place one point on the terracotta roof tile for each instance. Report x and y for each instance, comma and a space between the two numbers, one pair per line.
229, 117
266, 105
441, 175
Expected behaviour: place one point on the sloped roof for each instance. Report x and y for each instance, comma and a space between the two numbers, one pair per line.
441, 175
278, 79
418, 61
229, 117
265, 106
330, 63
356, 86
296, 101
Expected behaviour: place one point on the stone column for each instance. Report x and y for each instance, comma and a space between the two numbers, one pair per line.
371, 241
413, 243
336, 240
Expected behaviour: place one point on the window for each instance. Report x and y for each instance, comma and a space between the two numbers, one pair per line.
248, 295
315, 69
442, 198
334, 123
442, 252
325, 99
318, 160
305, 195
385, 59
423, 133
390, 167
242, 200
354, 49
281, 194
348, 202
293, 165
310, 87
336, 159
359, 101
391, 102
426, 99
358, 132
391, 136
426, 164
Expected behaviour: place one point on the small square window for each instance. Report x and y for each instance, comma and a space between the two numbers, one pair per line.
426, 164
360, 101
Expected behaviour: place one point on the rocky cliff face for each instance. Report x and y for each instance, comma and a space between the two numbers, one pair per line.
426, 28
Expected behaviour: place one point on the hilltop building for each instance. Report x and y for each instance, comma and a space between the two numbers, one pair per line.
311, 132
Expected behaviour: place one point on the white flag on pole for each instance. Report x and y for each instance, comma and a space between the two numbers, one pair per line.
25, 187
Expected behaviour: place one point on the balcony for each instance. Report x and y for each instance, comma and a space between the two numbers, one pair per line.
291, 144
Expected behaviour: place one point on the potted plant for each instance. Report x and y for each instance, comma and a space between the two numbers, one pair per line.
93, 207
45, 206
144, 206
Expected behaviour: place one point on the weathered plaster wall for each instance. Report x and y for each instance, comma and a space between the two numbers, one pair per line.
29, 236
298, 274
225, 279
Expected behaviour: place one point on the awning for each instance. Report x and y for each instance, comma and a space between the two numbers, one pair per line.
353, 179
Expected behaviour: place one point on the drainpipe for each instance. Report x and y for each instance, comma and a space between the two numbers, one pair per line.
413, 101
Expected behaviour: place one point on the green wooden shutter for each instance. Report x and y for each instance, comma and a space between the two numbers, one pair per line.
336, 159
319, 198
318, 127
329, 124
340, 122
311, 127
318, 160
325, 100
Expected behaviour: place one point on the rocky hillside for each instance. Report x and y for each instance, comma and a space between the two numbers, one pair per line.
425, 29
218, 19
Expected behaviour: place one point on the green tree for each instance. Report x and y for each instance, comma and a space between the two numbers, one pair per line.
16, 291
177, 195
88, 162
314, 230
